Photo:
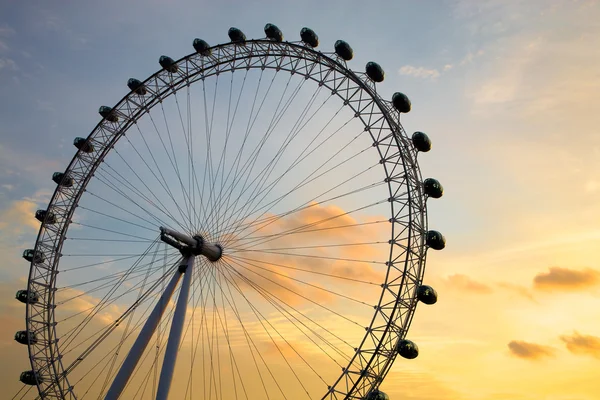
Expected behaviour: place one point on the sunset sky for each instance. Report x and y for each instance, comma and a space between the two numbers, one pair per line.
509, 93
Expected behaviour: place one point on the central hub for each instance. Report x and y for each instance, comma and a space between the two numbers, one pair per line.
195, 245
209, 250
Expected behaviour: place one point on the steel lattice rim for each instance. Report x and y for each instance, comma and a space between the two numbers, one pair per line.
405, 266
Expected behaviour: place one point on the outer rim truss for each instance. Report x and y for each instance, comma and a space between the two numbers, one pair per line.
406, 263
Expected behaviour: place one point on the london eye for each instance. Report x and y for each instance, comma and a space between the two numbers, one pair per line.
249, 222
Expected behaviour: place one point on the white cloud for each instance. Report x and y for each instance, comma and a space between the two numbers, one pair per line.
434, 73
8, 63
419, 72
468, 59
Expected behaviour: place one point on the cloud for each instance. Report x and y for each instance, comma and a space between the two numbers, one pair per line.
336, 252
434, 73
463, 282
55, 23
558, 278
530, 351
468, 59
582, 344
518, 289
8, 63
37, 170
19, 217
5, 31
12, 319
419, 72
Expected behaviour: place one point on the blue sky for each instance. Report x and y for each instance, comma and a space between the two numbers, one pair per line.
508, 91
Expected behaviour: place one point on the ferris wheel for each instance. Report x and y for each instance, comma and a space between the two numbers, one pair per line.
249, 222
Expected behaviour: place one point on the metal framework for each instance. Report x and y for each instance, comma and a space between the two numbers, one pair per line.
405, 266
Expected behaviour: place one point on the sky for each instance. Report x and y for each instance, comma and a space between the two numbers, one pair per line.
508, 93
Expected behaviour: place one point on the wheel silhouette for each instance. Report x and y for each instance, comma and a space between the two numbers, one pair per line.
248, 222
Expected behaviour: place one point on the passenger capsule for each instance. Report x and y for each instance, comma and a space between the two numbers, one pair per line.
26, 297
343, 50
435, 240
34, 256
421, 142
136, 86
202, 47
83, 145
427, 294
107, 113
309, 37
433, 188
401, 102
377, 395
62, 179
25, 337
44, 215
236, 35
168, 64
375, 72
30, 378
273, 33
407, 349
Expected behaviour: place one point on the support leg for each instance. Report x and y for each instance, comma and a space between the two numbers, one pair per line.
142, 341
166, 373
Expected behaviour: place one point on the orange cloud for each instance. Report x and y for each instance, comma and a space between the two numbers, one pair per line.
582, 344
558, 278
319, 246
274, 284
518, 289
19, 218
463, 282
530, 351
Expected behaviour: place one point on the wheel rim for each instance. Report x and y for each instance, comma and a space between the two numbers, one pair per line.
404, 265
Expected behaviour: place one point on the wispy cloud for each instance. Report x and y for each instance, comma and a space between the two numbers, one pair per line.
54, 23
529, 351
18, 217
434, 73
5, 32
419, 72
468, 59
582, 344
8, 64
463, 282
518, 289
558, 278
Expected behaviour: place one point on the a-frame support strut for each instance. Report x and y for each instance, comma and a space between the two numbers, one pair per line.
190, 247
